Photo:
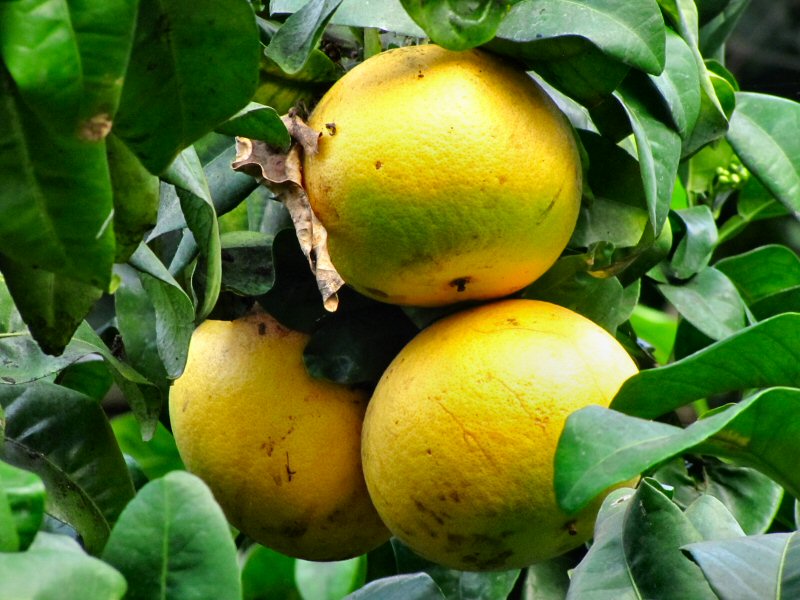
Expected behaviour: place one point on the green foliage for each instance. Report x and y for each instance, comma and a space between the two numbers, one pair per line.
122, 227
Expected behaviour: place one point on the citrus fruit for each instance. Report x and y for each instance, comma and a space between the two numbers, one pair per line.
461, 432
441, 176
279, 449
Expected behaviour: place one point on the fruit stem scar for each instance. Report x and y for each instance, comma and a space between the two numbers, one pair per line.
289, 472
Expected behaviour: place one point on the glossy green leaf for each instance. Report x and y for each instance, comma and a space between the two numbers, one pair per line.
56, 202
617, 212
457, 585
258, 122
357, 346
188, 177
135, 197
712, 520
715, 31
388, 15
762, 355
762, 566
570, 284
603, 573
10, 319
173, 311
142, 395
762, 272
300, 34
750, 496
73, 78
52, 317
658, 147
56, 567
65, 438
172, 541
697, 243
756, 432
679, 85
267, 574
90, 376
762, 133
157, 456
712, 122
24, 496
710, 302
548, 579
654, 530
177, 89
417, 586
457, 25
631, 33
329, 580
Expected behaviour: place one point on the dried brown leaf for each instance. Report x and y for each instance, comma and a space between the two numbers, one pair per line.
281, 172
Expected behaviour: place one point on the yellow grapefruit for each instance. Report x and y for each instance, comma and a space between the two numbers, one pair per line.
442, 176
460, 434
279, 449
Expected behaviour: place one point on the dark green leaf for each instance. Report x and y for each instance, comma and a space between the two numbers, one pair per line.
56, 202
715, 31
228, 188
156, 457
65, 438
247, 262
762, 133
457, 585
73, 79
761, 432
142, 395
417, 586
189, 179
762, 566
357, 346
258, 122
300, 34
267, 574
56, 567
679, 84
177, 87
89, 376
569, 283
174, 312
135, 197
329, 580
458, 25
698, 242
548, 580
658, 147
603, 574
631, 33
762, 355
172, 541
712, 519
388, 15
762, 272
751, 497
617, 212
24, 496
710, 302
654, 529
52, 305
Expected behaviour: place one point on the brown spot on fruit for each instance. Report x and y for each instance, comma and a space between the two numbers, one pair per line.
378, 165
331, 127
460, 283
262, 329
571, 528
289, 472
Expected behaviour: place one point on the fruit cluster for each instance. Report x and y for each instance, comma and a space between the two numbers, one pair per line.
441, 177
